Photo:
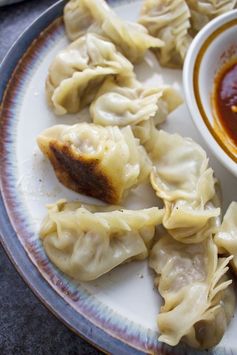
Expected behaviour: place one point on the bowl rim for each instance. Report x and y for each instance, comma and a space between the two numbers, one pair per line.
191, 70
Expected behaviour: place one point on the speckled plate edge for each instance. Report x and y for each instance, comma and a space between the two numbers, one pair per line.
14, 249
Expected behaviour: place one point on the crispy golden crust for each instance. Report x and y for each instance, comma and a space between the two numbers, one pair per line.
80, 174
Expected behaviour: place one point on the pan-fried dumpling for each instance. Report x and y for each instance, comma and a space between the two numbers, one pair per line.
170, 21
131, 38
203, 11
86, 242
226, 237
128, 102
198, 301
182, 179
102, 162
77, 72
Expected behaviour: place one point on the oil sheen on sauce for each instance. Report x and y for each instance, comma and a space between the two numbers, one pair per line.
225, 104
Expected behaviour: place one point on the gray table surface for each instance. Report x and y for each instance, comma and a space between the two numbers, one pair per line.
26, 326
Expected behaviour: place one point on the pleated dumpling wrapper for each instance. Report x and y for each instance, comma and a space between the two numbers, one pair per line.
199, 301
101, 162
127, 102
170, 21
203, 12
226, 237
131, 38
78, 71
145, 131
182, 179
86, 242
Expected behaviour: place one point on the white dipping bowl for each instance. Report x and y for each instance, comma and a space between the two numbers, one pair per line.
213, 46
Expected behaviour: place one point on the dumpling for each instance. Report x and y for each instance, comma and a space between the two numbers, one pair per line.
203, 11
102, 162
124, 103
128, 102
77, 19
182, 179
226, 237
145, 130
170, 21
198, 299
174, 155
77, 72
131, 38
212, 8
86, 242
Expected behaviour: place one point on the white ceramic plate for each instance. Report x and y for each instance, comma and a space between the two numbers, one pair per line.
118, 311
